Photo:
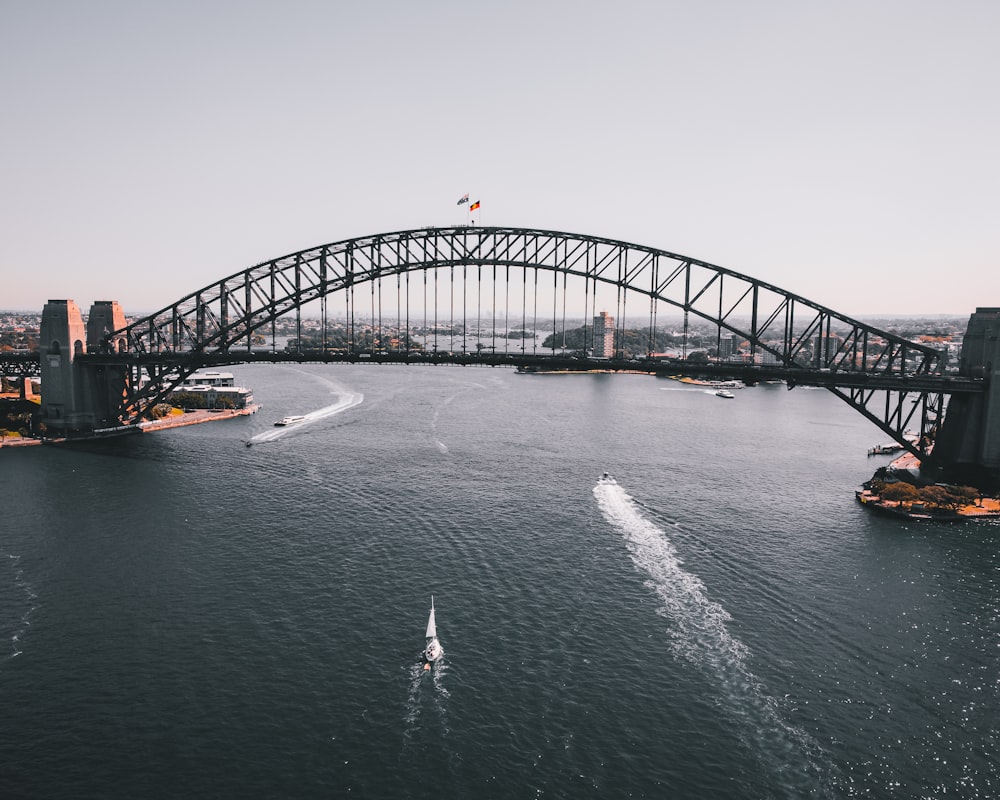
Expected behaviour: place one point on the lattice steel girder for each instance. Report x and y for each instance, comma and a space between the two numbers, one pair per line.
712, 293
229, 311
897, 412
150, 382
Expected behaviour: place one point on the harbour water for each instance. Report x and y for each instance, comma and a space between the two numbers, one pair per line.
185, 616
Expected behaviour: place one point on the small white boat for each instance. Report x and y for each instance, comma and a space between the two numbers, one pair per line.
288, 421
607, 479
725, 393
433, 650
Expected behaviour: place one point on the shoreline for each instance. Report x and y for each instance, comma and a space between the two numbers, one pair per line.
195, 417
988, 508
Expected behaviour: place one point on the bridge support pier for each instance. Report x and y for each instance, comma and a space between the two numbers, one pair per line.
967, 447
79, 397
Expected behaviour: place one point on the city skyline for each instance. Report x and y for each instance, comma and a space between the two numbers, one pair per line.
844, 154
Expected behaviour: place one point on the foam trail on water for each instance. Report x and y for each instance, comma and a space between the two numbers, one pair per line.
699, 634
441, 446
347, 400
418, 676
439, 672
24, 621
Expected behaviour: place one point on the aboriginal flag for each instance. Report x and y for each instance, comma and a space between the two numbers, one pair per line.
474, 206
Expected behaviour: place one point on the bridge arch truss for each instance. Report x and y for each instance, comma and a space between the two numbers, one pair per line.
371, 293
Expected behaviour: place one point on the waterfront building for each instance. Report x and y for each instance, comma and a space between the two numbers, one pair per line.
213, 389
208, 378
216, 396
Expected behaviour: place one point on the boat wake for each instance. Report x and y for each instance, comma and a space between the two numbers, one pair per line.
346, 400
427, 692
22, 623
699, 634
442, 448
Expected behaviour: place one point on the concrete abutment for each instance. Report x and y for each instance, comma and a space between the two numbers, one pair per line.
968, 444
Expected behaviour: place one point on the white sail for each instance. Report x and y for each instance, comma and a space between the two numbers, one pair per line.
431, 627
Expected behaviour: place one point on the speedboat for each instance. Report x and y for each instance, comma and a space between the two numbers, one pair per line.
725, 393
288, 421
607, 479
432, 650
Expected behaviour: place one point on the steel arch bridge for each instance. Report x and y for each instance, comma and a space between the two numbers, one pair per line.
371, 293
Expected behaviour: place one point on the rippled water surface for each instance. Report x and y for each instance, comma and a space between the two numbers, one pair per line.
184, 615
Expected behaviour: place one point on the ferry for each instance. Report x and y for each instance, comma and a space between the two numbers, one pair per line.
288, 421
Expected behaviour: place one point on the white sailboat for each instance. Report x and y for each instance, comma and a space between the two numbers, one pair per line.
433, 650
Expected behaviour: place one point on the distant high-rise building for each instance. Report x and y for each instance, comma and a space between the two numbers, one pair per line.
766, 357
729, 345
604, 335
827, 347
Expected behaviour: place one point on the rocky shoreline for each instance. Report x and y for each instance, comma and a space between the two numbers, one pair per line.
963, 507
989, 508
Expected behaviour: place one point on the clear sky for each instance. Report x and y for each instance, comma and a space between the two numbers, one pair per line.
845, 151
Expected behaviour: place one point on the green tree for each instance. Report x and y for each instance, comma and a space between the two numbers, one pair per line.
938, 496
630, 342
901, 492
967, 495
188, 400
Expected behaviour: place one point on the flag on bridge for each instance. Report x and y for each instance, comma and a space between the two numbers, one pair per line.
464, 200
474, 206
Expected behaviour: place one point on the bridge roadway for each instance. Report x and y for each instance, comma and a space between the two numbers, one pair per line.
948, 384
28, 365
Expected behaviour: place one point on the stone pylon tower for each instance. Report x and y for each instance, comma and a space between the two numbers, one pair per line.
78, 396
62, 338
106, 316
969, 441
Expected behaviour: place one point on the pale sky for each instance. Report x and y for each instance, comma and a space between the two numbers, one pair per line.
845, 151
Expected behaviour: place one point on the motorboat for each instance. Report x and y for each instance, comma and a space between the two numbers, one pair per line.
607, 479
288, 421
728, 395
432, 650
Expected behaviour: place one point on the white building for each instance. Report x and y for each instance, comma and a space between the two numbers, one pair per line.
213, 389
207, 378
